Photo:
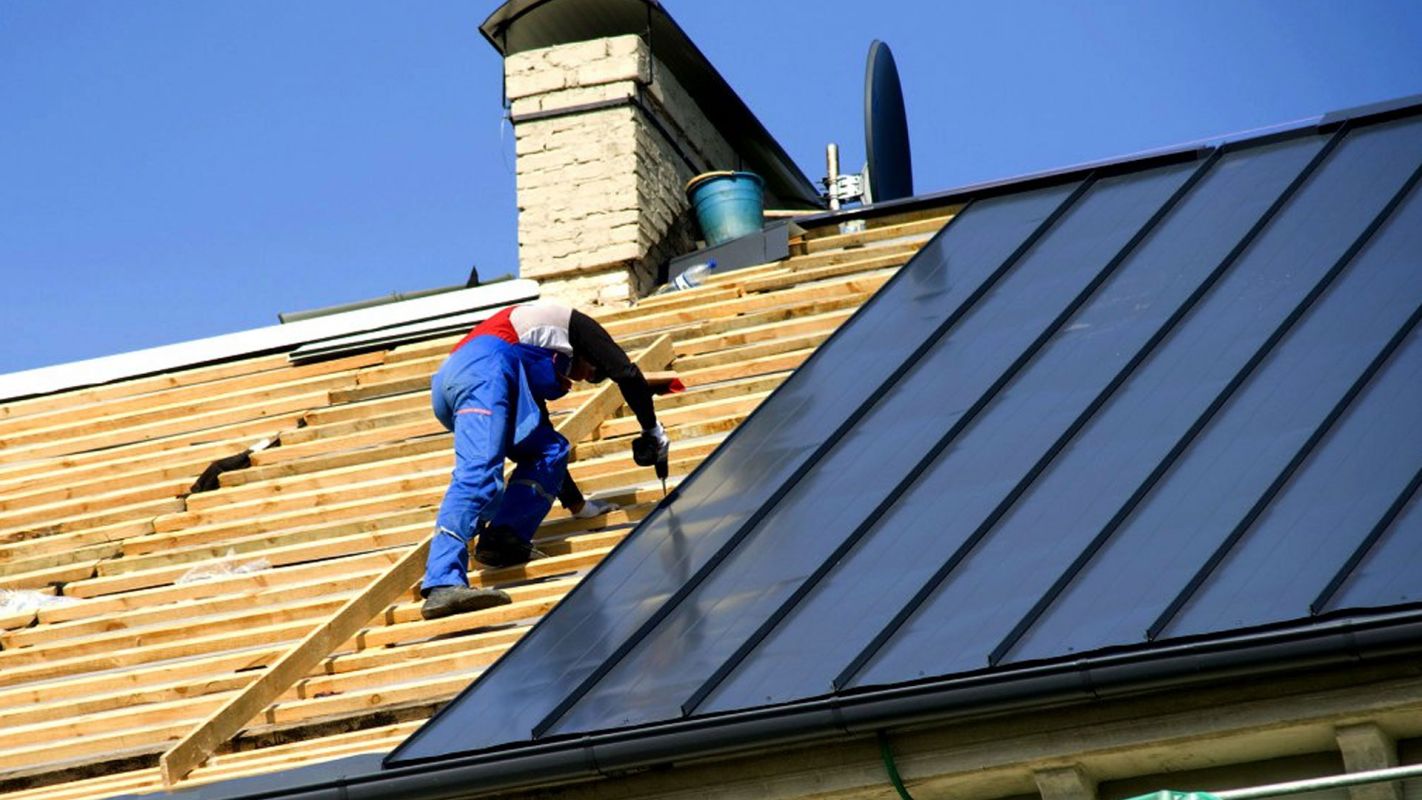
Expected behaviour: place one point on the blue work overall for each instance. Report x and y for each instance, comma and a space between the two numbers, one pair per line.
488, 393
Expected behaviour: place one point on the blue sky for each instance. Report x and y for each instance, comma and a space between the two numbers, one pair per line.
172, 169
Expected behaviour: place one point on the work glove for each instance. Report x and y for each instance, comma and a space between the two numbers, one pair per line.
651, 446
594, 508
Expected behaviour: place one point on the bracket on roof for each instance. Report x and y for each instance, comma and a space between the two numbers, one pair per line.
888, 166
840, 188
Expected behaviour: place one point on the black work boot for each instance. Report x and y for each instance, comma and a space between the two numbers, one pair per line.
446, 600
501, 547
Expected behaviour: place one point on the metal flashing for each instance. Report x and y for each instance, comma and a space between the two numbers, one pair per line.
389, 337
763, 247
273, 338
394, 297
1372, 111
1326, 122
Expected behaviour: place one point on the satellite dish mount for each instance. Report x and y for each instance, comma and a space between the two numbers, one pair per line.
888, 165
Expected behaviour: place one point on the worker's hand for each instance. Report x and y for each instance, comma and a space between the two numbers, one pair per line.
651, 446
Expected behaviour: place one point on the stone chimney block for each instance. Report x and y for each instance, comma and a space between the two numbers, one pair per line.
606, 140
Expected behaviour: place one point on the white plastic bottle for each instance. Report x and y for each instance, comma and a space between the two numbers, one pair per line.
690, 278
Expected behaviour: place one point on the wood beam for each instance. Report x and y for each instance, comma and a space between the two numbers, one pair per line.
225, 722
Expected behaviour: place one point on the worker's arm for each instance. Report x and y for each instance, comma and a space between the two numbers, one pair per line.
592, 343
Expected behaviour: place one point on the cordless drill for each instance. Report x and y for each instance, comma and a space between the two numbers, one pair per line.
647, 451
662, 470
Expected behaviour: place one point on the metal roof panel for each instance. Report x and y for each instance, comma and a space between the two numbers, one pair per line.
1080, 422
740, 477
1387, 574
1148, 521
969, 376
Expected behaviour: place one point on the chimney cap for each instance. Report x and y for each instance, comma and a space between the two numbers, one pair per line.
520, 25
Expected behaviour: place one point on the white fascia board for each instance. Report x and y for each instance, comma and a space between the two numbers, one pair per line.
95, 371
410, 330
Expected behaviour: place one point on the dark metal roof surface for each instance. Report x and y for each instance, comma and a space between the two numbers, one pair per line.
1159, 401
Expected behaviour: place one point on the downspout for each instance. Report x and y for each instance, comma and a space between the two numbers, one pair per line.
887, 754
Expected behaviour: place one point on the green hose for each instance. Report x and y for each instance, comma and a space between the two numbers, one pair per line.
888, 756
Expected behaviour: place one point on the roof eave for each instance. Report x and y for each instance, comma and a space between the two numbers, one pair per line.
270, 339
1159, 667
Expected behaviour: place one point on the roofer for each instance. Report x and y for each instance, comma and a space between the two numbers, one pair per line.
492, 392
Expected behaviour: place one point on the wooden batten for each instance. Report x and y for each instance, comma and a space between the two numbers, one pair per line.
94, 498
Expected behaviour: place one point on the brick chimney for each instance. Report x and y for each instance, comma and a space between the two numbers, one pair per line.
606, 142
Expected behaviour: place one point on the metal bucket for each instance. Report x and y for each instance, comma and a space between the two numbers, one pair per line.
728, 205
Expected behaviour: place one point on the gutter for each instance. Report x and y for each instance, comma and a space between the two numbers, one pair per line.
1340, 641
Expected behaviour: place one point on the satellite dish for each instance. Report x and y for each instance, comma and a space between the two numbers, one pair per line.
886, 143
888, 166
